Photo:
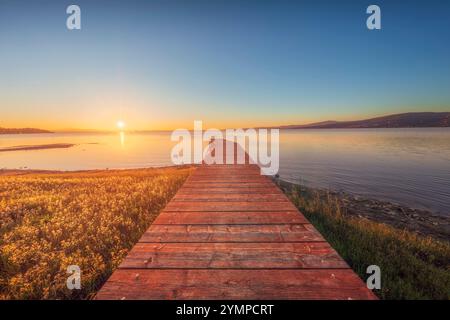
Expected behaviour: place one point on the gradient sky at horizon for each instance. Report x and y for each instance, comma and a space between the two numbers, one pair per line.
163, 64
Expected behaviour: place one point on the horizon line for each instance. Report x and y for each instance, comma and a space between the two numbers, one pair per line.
286, 126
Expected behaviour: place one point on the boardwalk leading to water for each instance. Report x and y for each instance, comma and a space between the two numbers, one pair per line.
230, 233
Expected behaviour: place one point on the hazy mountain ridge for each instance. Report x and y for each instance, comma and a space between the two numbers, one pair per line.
22, 130
402, 120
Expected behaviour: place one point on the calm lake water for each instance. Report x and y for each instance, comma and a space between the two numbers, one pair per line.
406, 166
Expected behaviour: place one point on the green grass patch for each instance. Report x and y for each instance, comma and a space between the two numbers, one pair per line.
412, 266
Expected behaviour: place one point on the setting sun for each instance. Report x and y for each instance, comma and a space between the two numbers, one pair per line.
120, 124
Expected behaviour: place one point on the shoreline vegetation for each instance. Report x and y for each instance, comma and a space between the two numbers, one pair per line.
422, 222
52, 219
414, 258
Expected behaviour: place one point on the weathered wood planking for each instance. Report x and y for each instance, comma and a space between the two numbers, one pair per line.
230, 197
180, 206
230, 218
234, 284
310, 255
230, 190
230, 233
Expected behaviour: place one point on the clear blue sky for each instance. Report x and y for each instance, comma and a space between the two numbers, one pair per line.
162, 64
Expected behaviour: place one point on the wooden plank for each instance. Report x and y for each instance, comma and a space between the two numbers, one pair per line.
229, 206
213, 184
220, 172
228, 178
231, 233
252, 197
305, 255
227, 175
263, 190
224, 173
216, 284
233, 217
211, 171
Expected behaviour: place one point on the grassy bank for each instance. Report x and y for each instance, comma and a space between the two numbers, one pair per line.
412, 267
49, 221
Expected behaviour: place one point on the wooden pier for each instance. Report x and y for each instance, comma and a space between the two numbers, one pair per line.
230, 233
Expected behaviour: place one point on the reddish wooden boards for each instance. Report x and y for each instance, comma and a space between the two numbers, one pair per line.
230, 233
201, 284
230, 218
309, 255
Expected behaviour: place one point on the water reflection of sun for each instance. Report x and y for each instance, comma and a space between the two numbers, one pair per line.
121, 125
122, 138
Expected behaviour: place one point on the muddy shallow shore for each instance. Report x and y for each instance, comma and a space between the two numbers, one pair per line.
420, 221
38, 147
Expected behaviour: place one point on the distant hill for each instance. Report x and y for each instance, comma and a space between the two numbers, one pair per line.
22, 130
402, 120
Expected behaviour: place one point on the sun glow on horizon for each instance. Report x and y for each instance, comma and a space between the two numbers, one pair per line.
120, 124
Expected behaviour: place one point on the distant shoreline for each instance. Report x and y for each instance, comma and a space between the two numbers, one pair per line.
256, 128
401, 120
26, 171
22, 131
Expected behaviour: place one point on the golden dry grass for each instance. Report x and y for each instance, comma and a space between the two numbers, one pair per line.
49, 221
